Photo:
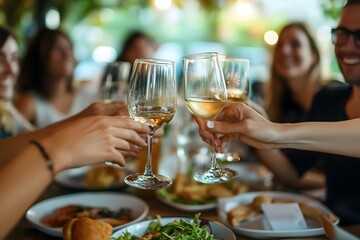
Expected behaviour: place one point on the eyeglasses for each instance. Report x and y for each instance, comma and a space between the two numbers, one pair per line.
340, 35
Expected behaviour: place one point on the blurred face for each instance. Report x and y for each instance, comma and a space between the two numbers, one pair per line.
62, 61
293, 56
348, 54
141, 48
9, 68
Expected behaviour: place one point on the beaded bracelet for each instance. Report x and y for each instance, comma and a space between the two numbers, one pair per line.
49, 162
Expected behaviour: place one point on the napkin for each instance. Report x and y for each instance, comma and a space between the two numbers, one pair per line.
284, 216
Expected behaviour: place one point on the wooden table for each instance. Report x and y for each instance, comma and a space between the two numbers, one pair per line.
25, 231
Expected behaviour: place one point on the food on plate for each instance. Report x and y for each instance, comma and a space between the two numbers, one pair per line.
178, 229
103, 176
86, 228
188, 191
259, 200
61, 215
241, 213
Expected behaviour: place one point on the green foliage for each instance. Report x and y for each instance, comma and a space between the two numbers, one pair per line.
332, 8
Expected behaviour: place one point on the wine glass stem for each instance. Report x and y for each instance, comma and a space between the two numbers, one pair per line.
214, 164
148, 167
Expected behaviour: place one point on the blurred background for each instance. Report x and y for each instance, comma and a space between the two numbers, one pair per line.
241, 28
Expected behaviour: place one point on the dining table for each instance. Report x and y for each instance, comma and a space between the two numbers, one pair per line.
25, 231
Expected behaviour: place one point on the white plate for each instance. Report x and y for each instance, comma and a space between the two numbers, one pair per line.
113, 201
247, 173
75, 179
186, 207
258, 227
139, 229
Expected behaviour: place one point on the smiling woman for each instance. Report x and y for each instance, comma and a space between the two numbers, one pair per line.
11, 122
295, 74
295, 77
9, 67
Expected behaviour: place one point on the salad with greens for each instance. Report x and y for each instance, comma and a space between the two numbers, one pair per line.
176, 230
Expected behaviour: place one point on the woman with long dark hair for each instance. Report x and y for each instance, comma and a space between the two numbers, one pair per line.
46, 91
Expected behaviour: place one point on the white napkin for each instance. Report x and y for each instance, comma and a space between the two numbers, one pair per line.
284, 216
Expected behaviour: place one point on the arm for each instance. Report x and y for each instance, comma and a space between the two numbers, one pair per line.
331, 137
238, 121
10, 146
279, 163
81, 142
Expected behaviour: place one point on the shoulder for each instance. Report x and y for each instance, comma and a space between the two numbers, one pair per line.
25, 103
329, 103
86, 94
333, 89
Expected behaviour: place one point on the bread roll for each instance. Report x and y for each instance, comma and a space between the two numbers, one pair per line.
241, 213
103, 176
86, 228
259, 200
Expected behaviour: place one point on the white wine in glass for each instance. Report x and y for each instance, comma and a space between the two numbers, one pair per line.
205, 95
236, 74
151, 100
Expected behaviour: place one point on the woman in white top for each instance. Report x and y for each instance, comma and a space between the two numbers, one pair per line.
46, 92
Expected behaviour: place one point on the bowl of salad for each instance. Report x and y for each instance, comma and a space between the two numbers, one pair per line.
175, 228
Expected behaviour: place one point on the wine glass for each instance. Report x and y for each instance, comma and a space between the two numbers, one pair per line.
236, 74
114, 83
205, 95
151, 100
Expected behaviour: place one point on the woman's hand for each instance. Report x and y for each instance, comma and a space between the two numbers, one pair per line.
90, 140
240, 122
117, 108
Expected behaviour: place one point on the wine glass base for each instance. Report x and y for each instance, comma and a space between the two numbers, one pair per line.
218, 175
228, 157
141, 181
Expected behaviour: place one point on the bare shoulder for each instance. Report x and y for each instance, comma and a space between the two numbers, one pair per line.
25, 103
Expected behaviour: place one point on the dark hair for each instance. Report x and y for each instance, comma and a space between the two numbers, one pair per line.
350, 2
4, 35
35, 65
129, 41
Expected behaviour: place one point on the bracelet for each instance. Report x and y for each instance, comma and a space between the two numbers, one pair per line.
49, 162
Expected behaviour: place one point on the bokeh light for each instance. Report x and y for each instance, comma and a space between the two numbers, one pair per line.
271, 37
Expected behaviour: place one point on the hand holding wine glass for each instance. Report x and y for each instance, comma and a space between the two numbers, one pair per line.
151, 100
205, 96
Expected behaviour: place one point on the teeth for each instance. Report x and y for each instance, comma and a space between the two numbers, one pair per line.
351, 60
